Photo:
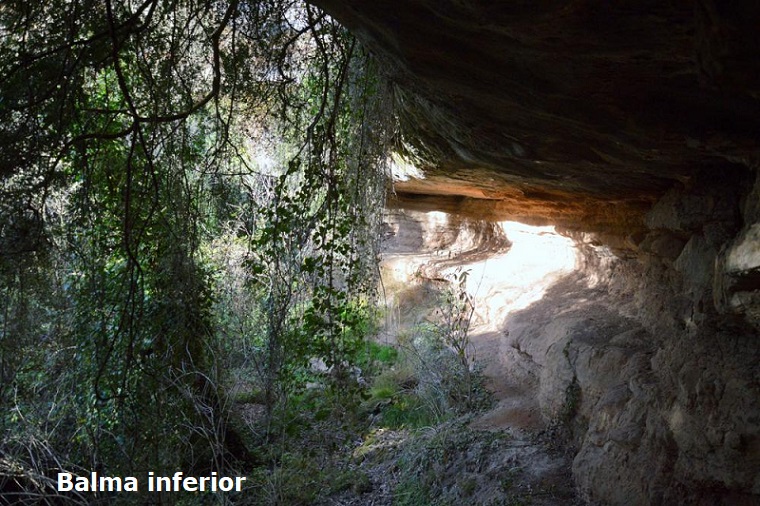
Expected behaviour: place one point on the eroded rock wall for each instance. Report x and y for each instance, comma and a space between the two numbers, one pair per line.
649, 353
652, 357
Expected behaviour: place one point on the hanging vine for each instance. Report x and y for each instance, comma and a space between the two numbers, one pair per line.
129, 134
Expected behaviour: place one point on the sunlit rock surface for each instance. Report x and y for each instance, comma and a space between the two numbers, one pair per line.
658, 391
509, 265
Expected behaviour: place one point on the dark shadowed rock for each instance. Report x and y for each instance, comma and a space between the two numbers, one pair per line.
587, 105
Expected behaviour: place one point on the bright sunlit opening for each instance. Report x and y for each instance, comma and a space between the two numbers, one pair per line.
513, 280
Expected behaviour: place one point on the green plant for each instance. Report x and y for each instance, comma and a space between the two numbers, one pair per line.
372, 354
142, 146
456, 313
410, 492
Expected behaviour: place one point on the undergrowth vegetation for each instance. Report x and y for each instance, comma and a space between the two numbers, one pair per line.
188, 219
310, 448
190, 198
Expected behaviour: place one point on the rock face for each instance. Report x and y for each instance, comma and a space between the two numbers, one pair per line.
636, 128
579, 109
662, 410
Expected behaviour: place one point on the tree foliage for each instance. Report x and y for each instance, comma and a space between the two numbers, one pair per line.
182, 183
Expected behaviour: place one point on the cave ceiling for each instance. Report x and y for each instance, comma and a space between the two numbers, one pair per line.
579, 113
